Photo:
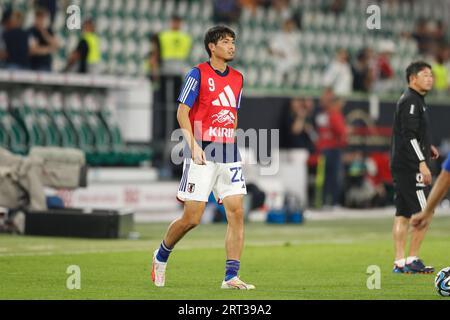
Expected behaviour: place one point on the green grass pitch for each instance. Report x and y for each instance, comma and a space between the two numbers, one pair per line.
317, 260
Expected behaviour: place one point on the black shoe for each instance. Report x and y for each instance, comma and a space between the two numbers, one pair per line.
398, 269
417, 266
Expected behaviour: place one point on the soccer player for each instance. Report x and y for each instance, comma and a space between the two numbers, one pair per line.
207, 113
411, 151
422, 220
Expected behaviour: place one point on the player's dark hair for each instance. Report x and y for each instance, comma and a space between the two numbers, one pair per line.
415, 67
214, 34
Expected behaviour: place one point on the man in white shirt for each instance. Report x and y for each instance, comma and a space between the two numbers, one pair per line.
338, 74
284, 48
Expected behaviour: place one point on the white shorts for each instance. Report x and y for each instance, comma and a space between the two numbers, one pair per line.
223, 179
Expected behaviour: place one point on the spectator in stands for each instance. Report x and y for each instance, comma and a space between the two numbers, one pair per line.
368, 180
326, 98
154, 60
175, 48
360, 192
295, 129
16, 42
5, 17
379, 174
282, 9
252, 5
384, 70
51, 6
423, 36
249, 5
87, 55
338, 75
226, 11
439, 33
296, 145
335, 6
332, 139
284, 49
175, 45
362, 71
43, 42
440, 72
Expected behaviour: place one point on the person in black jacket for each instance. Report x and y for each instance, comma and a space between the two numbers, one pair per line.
51, 6
411, 153
295, 127
43, 42
16, 43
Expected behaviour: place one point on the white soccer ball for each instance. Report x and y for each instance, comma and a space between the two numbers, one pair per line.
442, 282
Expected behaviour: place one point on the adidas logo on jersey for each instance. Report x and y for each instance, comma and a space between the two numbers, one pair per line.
226, 98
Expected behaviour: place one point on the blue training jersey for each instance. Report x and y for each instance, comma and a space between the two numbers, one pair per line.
446, 165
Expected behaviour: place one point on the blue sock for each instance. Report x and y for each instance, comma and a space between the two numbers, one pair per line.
163, 252
231, 269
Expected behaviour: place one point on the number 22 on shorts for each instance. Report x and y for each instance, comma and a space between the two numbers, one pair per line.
236, 171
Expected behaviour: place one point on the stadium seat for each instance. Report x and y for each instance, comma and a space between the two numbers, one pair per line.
123, 155
68, 136
168, 9
103, 153
4, 141
73, 113
23, 110
13, 135
45, 121
102, 6
130, 7
194, 10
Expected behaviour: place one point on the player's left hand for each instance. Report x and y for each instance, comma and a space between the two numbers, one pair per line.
434, 153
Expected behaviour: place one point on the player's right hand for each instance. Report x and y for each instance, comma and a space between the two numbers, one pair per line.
198, 155
426, 173
420, 220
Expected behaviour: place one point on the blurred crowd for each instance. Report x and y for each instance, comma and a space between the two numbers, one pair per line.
354, 178
368, 70
371, 69
33, 48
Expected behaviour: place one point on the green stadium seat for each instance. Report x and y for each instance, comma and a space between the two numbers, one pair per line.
155, 8
194, 10
130, 7
85, 136
129, 156
45, 121
103, 6
182, 9
13, 136
103, 150
23, 111
4, 140
67, 133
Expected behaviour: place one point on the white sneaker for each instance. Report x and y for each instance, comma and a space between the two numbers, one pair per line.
236, 283
158, 271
